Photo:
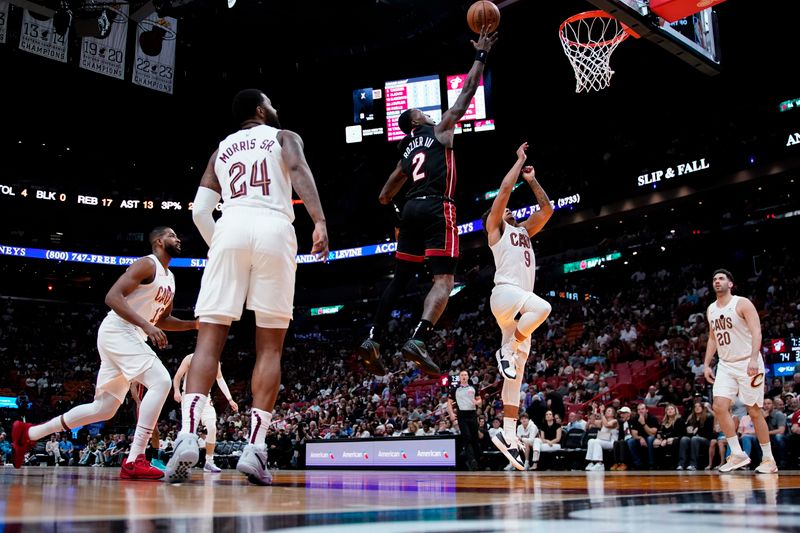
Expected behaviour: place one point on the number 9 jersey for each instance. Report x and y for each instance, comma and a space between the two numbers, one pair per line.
251, 171
513, 258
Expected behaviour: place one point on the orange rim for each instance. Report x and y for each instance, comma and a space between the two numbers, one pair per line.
595, 14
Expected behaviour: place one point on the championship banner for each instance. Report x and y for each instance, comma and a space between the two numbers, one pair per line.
155, 53
3, 20
106, 55
39, 37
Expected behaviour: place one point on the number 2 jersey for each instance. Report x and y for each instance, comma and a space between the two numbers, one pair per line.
513, 258
734, 339
150, 300
428, 163
251, 171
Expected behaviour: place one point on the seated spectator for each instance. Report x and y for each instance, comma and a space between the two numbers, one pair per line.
776, 422
67, 449
575, 421
621, 444
747, 434
526, 433
652, 399
5, 449
720, 441
672, 428
699, 432
53, 450
644, 427
549, 436
608, 434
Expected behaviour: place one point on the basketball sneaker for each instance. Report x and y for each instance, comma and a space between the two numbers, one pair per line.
735, 461
211, 468
253, 464
511, 452
158, 463
767, 466
506, 362
139, 469
415, 351
21, 442
185, 455
370, 354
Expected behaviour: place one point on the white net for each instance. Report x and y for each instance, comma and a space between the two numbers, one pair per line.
589, 39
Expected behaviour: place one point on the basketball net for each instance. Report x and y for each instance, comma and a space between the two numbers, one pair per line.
589, 39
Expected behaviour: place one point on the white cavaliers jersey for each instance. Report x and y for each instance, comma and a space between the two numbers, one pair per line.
151, 300
513, 258
252, 173
734, 339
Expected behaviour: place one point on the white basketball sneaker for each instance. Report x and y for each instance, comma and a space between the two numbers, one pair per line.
253, 464
767, 466
507, 361
210, 467
735, 461
185, 455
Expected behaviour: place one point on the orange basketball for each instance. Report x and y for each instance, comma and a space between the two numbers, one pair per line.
483, 13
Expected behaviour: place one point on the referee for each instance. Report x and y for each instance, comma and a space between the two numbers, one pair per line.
467, 399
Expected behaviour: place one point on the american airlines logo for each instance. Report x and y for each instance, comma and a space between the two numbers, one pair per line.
433, 453
794, 138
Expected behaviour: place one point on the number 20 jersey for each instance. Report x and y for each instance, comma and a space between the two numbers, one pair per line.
734, 339
513, 258
251, 171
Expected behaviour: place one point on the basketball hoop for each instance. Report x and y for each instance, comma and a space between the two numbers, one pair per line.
589, 39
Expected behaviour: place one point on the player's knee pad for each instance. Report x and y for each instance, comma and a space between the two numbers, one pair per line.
216, 319
511, 390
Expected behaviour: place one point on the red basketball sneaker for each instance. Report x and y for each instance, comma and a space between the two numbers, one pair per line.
21, 442
140, 469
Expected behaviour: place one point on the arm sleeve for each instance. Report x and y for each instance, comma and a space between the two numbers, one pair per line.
205, 202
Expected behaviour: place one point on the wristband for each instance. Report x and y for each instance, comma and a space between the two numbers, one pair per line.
481, 55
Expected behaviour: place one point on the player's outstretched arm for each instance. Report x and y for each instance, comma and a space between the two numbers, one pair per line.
495, 218
143, 269
167, 322
454, 114
206, 200
303, 183
393, 185
536, 221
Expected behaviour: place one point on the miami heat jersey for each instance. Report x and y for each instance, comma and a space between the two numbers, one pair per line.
734, 339
428, 163
252, 173
513, 258
151, 300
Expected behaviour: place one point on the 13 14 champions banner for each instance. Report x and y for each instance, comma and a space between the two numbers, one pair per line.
39, 37
106, 55
3, 20
155, 53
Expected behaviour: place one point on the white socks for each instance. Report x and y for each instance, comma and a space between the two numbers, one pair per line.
259, 422
191, 409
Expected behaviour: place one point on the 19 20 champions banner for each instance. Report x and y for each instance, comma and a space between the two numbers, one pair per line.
107, 55
155, 53
39, 37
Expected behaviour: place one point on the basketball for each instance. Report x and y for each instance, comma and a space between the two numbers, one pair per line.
483, 13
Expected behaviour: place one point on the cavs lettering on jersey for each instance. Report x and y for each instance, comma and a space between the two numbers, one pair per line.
430, 164
513, 258
152, 299
734, 340
252, 173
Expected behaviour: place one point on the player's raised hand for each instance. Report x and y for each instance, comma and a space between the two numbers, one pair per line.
320, 237
522, 151
485, 41
708, 373
156, 336
528, 173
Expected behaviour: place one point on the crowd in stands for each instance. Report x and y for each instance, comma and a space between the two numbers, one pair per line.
622, 366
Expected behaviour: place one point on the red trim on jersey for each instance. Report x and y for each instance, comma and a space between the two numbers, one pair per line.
450, 174
408, 257
450, 234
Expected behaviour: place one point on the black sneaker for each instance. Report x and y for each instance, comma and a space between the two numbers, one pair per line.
370, 354
416, 351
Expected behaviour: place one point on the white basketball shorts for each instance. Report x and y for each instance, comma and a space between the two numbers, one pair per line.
251, 261
124, 355
506, 302
732, 381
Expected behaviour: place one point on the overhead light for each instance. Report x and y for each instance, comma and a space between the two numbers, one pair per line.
231, 3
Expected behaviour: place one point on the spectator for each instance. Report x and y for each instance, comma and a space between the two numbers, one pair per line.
608, 434
697, 367
747, 432
526, 433
575, 421
51, 448
794, 439
776, 390
67, 449
549, 435
669, 433
652, 398
624, 435
644, 427
776, 422
5, 449
699, 432
720, 441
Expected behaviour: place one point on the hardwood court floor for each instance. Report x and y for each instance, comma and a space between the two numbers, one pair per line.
94, 499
